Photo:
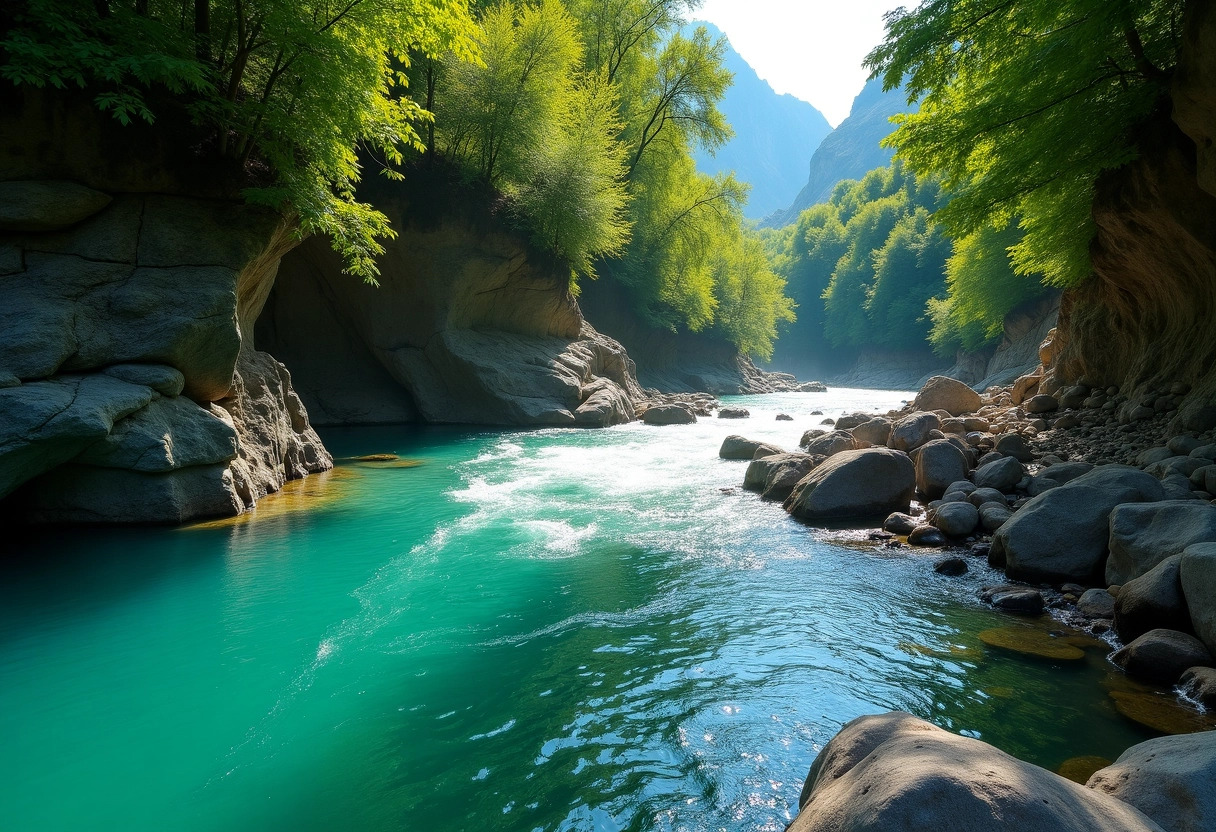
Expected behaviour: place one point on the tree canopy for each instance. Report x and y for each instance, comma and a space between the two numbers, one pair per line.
1023, 104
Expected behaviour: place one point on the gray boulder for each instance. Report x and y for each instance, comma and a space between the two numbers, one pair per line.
738, 447
927, 536
896, 773
1199, 683
938, 464
1014, 445
1152, 601
1002, 474
948, 394
764, 449
956, 519
1161, 656
912, 431
669, 414
900, 523
993, 516
1197, 574
1143, 535
1170, 779
786, 473
876, 431
1096, 603
1061, 535
865, 483
755, 478
831, 443
1041, 403
981, 496
733, 413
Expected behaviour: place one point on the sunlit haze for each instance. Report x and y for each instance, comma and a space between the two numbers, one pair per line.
812, 49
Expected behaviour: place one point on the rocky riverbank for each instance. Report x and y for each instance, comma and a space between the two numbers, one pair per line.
1098, 507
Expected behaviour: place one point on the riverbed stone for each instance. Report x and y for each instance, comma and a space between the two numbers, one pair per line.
1170, 779
1197, 574
1041, 403
1001, 474
1144, 534
733, 413
1161, 656
938, 464
956, 519
786, 473
980, 496
738, 447
876, 431
669, 414
1152, 601
951, 567
948, 394
912, 431
1062, 534
927, 536
765, 449
897, 773
1020, 599
1014, 445
831, 444
755, 478
993, 516
1096, 603
900, 523
855, 484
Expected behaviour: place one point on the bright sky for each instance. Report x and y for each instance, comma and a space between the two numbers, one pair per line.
812, 49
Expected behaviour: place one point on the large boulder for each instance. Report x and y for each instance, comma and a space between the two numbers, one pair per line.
938, 464
1061, 535
912, 431
669, 414
1001, 474
738, 447
872, 482
874, 432
755, 478
1197, 574
1142, 535
1170, 779
831, 443
948, 394
786, 473
896, 773
956, 519
1153, 600
1161, 656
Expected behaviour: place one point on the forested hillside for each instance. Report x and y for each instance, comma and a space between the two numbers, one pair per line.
774, 135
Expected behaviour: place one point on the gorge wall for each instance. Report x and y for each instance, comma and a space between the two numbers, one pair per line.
468, 325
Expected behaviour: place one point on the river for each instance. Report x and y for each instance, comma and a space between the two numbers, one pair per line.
526, 630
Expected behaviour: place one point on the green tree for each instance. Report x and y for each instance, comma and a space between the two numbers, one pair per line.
1025, 103
299, 85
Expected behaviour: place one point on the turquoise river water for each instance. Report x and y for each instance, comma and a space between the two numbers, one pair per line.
530, 630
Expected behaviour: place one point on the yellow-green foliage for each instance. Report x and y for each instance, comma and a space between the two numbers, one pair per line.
301, 84
1023, 105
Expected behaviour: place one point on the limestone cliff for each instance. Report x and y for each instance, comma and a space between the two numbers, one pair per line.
468, 325
129, 391
1143, 321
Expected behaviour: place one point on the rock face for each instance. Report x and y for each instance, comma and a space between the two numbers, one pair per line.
468, 325
1170, 779
950, 395
1143, 535
895, 772
1061, 535
868, 483
133, 393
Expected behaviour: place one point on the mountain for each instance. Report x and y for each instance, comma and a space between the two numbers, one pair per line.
850, 151
773, 135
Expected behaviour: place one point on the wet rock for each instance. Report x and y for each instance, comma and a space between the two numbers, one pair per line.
948, 394
1061, 535
738, 447
938, 464
1002, 474
669, 414
1142, 535
956, 519
1160, 711
1031, 641
1152, 601
1096, 603
733, 413
899, 523
784, 417
1022, 600
951, 567
865, 483
1161, 656
927, 536
1199, 683
897, 773
1197, 574
912, 431
1170, 779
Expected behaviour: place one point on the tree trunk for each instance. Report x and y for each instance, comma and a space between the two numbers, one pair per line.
202, 29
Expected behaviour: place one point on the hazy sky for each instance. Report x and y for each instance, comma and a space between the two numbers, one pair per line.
810, 48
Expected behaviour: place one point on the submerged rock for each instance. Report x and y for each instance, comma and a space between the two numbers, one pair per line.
896, 773
1031, 641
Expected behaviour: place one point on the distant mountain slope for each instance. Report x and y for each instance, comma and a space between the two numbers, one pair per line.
850, 151
773, 136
